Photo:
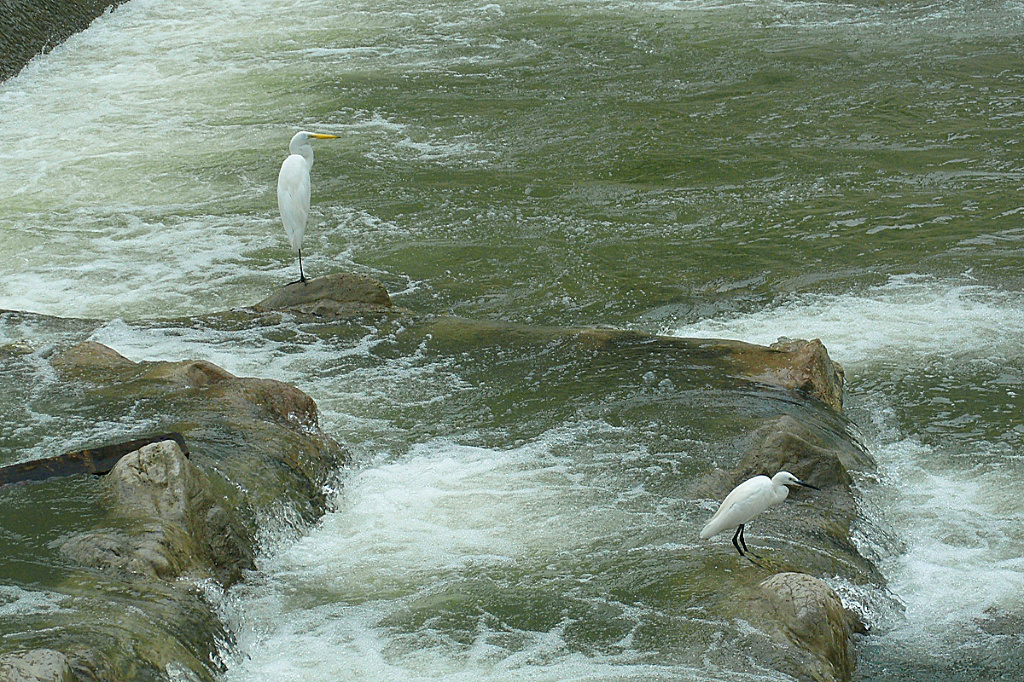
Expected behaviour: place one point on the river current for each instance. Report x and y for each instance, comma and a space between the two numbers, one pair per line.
845, 171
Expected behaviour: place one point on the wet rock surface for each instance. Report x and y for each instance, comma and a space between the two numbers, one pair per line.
805, 611
164, 530
167, 532
338, 295
39, 665
175, 524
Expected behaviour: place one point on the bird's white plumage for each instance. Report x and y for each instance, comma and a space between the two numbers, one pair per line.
293, 189
749, 499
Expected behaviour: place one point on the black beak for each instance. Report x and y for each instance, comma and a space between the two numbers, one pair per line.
808, 485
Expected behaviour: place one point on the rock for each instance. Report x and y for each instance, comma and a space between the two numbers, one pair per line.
142, 579
89, 355
342, 294
818, 537
192, 373
164, 535
805, 611
96, 460
179, 526
266, 432
38, 665
787, 444
814, 372
803, 366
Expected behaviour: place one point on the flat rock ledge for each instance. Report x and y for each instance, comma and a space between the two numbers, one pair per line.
798, 365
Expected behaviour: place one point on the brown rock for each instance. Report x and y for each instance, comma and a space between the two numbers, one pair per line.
808, 613
179, 526
89, 355
786, 444
338, 295
194, 373
803, 366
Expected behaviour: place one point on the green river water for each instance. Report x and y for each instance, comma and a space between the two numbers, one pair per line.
846, 171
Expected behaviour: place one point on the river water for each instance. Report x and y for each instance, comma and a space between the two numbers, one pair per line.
750, 170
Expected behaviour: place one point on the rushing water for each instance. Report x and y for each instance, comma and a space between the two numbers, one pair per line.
847, 171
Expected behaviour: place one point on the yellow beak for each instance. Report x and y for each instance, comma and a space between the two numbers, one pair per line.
320, 136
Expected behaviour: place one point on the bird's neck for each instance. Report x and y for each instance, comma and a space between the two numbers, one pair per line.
305, 150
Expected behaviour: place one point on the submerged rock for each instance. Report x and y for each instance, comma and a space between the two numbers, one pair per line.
801, 366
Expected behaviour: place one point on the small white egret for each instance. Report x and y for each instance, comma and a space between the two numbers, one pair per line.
293, 189
746, 501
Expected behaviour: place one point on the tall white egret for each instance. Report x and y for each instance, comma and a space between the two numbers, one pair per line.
746, 501
293, 189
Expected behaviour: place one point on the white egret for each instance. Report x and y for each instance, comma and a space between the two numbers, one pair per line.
746, 501
293, 189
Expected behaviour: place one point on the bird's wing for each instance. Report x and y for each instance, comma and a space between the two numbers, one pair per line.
739, 506
293, 198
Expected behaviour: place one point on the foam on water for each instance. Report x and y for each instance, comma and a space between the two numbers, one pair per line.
411, 535
138, 160
907, 320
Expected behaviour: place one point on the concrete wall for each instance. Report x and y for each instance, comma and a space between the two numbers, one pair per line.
28, 27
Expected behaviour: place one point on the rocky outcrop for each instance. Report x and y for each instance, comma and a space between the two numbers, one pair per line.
808, 368
39, 665
266, 432
802, 610
172, 529
809, 534
818, 537
175, 525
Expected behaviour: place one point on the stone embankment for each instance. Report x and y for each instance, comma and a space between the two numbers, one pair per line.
178, 529
30, 27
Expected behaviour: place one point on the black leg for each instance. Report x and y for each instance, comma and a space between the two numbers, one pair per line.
737, 538
743, 541
302, 275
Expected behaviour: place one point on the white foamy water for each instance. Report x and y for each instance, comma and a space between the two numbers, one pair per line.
907, 320
422, 533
